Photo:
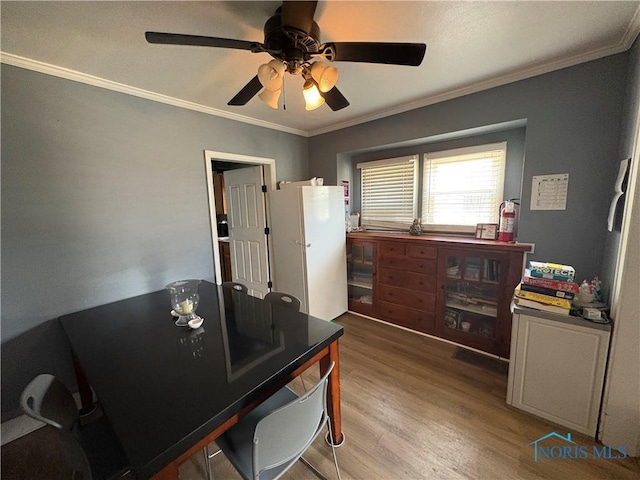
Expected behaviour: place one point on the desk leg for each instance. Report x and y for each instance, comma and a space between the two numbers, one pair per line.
333, 392
86, 395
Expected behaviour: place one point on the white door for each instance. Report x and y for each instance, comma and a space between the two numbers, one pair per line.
287, 242
247, 222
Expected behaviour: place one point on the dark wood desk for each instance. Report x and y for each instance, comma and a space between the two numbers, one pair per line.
168, 391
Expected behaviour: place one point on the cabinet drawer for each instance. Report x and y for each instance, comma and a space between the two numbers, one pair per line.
408, 264
421, 251
425, 302
420, 282
394, 249
406, 317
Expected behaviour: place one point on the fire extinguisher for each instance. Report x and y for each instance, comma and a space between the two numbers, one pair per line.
506, 230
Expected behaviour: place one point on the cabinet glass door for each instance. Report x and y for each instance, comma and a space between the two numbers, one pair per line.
472, 294
360, 258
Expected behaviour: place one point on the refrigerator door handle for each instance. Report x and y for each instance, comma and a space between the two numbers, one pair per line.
307, 245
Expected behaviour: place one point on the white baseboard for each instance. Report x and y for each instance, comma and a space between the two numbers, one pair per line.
18, 427
23, 425
440, 339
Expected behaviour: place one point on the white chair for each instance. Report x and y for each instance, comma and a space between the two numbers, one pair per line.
91, 450
271, 438
283, 299
235, 286
289, 301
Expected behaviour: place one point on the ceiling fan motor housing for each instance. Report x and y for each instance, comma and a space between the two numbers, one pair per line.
289, 44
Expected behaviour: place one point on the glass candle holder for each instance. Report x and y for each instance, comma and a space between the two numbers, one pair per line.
184, 300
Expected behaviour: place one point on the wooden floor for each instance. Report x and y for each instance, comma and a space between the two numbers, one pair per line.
412, 410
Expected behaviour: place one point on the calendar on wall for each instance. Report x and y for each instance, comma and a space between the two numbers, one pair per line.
549, 192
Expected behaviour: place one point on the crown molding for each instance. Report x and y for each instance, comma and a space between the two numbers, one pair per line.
73, 75
623, 45
625, 42
632, 31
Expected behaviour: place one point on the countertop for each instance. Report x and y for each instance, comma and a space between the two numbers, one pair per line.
444, 240
556, 317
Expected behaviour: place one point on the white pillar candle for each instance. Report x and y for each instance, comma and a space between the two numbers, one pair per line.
186, 306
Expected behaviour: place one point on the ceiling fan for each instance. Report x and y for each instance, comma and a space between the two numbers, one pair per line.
292, 38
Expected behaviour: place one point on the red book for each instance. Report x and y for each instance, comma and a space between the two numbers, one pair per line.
551, 284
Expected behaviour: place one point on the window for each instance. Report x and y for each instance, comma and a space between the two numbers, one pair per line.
389, 192
462, 187
458, 189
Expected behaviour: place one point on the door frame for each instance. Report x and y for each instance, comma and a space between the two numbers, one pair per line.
269, 171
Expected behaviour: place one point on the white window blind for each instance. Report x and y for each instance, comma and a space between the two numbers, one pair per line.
389, 192
463, 187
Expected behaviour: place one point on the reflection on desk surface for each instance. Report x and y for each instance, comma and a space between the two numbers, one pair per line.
249, 333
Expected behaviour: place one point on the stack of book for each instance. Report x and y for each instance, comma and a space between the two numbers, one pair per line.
547, 286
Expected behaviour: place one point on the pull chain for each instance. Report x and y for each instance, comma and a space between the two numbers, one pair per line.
284, 97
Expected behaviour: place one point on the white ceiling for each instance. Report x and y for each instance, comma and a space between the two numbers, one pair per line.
470, 46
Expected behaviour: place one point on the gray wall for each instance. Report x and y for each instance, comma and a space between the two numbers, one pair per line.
573, 125
104, 195
103, 198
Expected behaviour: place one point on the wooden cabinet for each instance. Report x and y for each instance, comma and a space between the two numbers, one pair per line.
474, 298
225, 261
407, 284
219, 194
360, 276
455, 288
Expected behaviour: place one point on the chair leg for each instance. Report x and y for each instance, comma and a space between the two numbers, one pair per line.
211, 455
335, 459
207, 463
313, 469
333, 450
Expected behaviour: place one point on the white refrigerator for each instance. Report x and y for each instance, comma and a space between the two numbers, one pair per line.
308, 244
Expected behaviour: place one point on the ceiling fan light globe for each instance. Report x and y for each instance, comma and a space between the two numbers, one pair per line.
312, 97
271, 75
325, 76
270, 97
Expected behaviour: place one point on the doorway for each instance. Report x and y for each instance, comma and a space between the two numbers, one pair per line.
244, 260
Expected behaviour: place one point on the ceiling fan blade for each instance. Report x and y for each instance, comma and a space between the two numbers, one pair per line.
378, 52
199, 41
298, 15
247, 92
335, 99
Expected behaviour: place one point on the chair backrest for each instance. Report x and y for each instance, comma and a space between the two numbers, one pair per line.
235, 286
47, 399
285, 434
283, 299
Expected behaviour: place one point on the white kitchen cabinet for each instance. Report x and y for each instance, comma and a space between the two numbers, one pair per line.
557, 368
